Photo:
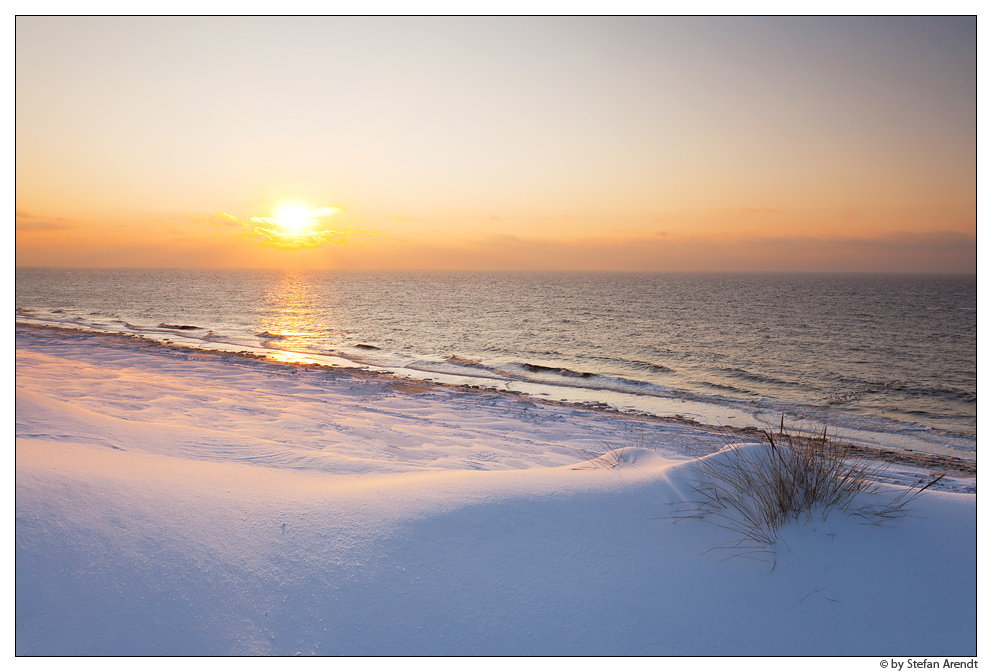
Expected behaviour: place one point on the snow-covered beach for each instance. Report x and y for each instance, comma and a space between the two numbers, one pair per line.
171, 501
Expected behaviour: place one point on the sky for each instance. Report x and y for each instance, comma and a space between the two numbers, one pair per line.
490, 143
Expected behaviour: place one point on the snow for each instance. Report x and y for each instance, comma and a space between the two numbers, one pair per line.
170, 502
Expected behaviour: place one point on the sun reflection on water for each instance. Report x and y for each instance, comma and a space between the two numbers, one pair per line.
291, 318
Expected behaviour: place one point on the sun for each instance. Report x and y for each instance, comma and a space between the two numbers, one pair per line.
294, 217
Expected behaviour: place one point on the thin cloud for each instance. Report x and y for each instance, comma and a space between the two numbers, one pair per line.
931, 241
751, 211
932, 251
227, 219
24, 221
266, 231
309, 239
216, 219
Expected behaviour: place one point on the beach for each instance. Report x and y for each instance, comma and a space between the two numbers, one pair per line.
175, 501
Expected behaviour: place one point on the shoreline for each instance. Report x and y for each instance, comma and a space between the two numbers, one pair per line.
897, 428
933, 462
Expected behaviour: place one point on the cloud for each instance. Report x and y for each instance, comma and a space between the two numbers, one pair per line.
216, 219
24, 221
267, 232
496, 218
904, 241
751, 211
931, 241
929, 252
229, 220
896, 251
308, 239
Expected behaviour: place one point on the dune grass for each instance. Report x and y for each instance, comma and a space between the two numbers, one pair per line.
614, 454
790, 478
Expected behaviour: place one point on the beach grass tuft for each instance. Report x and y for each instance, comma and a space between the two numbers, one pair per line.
790, 477
613, 455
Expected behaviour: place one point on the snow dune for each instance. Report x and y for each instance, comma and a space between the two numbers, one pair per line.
176, 503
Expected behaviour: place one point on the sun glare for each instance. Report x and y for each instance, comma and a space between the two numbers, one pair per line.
294, 217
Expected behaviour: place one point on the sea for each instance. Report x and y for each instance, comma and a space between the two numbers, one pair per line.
880, 359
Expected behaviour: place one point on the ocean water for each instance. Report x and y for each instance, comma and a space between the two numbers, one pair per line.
888, 359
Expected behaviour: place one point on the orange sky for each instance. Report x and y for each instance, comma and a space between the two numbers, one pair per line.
710, 144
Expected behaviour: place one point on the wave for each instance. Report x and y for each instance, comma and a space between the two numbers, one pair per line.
759, 377
456, 368
540, 374
219, 338
564, 377
857, 389
727, 388
561, 371
185, 327
939, 391
461, 361
647, 366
